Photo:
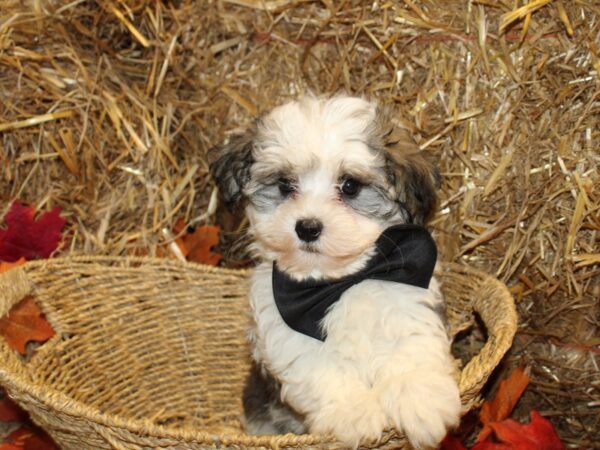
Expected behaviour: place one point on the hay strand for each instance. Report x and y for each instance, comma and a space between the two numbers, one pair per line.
524, 11
32, 121
108, 110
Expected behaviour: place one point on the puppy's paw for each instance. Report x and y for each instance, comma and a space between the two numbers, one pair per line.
353, 420
423, 405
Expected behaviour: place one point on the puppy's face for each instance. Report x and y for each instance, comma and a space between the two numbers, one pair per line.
321, 179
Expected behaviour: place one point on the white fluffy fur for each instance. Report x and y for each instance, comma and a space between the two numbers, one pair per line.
386, 361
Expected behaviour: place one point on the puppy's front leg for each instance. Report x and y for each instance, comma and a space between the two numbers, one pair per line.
337, 401
418, 392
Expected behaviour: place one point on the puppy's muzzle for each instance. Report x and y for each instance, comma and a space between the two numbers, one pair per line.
309, 230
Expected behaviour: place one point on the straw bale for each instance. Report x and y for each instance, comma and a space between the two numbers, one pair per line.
107, 109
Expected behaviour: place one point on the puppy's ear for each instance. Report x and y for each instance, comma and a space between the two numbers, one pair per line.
230, 166
417, 181
415, 178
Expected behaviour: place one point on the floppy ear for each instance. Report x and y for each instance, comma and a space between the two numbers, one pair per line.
415, 178
230, 166
417, 181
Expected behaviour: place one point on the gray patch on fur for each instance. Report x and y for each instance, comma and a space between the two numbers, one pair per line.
264, 412
263, 189
441, 311
372, 201
266, 197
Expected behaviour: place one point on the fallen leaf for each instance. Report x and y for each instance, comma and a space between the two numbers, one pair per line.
200, 243
29, 438
26, 237
25, 322
177, 230
499, 408
537, 435
489, 445
20, 435
451, 442
10, 411
40, 441
10, 446
4, 266
197, 245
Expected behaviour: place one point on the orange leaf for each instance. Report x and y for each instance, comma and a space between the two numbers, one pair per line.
4, 266
197, 246
538, 434
200, 244
499, 408
25, 322
177, 229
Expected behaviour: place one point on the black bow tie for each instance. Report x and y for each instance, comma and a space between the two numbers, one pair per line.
404, 254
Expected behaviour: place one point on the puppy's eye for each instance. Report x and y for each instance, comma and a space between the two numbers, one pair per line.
286, 186
350, 187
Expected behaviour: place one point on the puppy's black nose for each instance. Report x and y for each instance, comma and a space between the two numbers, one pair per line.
309, 229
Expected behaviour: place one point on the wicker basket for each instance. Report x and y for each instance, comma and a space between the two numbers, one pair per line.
151, 353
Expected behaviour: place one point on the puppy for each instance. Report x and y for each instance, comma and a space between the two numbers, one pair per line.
322, 179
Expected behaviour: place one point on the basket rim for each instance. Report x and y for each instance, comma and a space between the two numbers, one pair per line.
58, 400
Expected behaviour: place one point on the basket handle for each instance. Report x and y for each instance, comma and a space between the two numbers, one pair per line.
501, 321
14, 286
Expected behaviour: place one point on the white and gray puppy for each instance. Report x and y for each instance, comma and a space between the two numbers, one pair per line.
321, 179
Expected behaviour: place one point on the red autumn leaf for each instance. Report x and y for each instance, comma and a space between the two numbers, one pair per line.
10, 411
489, 445
25, 322
10, 446
197, 245
499, 408
29, 438
19, 436
538, 434
40, 441
29, 238
451, 442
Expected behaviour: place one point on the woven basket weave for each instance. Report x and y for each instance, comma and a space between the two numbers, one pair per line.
151, 353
